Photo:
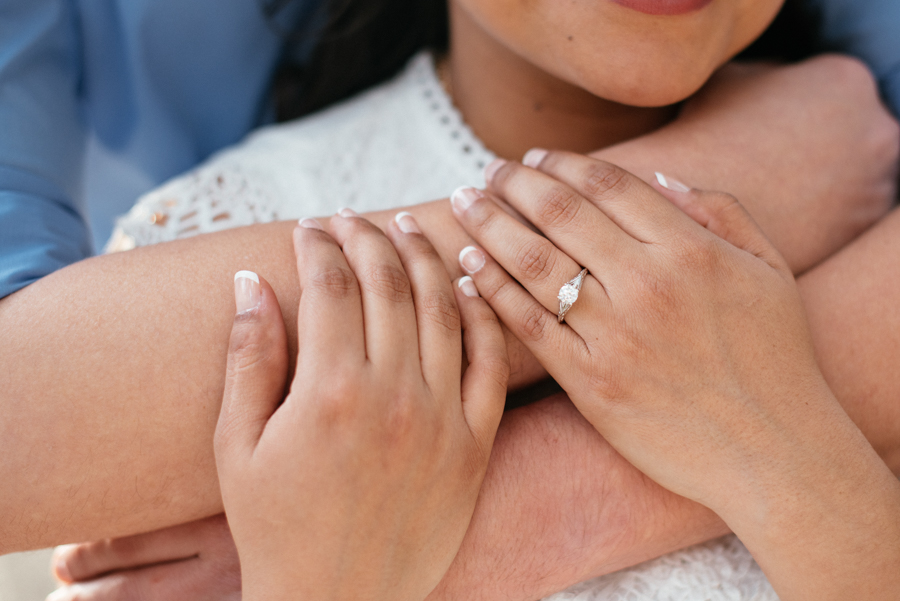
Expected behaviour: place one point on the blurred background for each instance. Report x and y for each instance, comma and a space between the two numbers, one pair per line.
26, 576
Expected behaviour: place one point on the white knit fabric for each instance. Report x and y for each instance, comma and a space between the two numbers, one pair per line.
398, 144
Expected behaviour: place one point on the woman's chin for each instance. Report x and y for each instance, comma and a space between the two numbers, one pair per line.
643, 88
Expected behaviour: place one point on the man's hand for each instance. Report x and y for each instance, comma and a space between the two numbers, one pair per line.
808, 148
191, 562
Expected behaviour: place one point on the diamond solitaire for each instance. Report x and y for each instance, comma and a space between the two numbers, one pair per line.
568, 294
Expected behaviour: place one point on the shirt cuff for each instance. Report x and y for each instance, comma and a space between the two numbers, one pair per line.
37, 237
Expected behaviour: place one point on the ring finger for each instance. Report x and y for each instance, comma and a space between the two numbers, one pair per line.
528, 257
387, 301
558, 347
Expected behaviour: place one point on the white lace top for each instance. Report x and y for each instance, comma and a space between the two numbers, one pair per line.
398, 144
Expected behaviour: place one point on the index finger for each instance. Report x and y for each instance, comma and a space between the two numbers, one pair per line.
626, 199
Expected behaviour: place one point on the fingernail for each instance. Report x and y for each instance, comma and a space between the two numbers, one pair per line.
310, 224
463, 197
491, 170
61, 594
468, 287
345, 213
534, 157
246, 291
671, 184
407, 223
471, 259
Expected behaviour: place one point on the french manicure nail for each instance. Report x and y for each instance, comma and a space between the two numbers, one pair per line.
347, 213
468, 287
471, 259
534, 157
407, 223
491, 170
246, 291
671, 184
310, 224
463, 197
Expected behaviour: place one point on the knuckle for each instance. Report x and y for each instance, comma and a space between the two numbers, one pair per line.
656, 297
493, 291
843, 69
423, 249
246, 354
535, 260
604, 383
559, 207
389, 282
486, 319
603, 179
77, 558
440, 309
402, 418
724, 200
533, 325
334, 282
482, 215
496, 368
126, 549
705, 256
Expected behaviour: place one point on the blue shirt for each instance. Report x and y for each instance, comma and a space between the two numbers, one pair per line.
104, 99
869, 30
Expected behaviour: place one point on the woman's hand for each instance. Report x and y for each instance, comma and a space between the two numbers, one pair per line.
362, 483
689, 351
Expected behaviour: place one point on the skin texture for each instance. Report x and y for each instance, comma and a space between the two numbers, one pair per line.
185, 400
370, 473
691, 354
113, 386
149, 375
630, 518
370, 468
667, 59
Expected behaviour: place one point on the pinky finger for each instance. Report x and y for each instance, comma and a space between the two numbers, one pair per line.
485, 380
723, 215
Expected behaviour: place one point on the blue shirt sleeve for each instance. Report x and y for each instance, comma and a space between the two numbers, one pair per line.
869, 30
42, 142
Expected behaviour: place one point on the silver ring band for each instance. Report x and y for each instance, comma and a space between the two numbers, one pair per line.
568, 294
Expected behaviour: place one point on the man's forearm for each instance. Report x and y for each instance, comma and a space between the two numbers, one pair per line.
558, 506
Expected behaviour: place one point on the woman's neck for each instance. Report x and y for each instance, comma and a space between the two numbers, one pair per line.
513, 105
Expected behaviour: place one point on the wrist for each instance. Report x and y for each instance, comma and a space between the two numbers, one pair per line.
819, 508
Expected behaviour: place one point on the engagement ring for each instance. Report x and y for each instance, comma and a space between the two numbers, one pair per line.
568, 294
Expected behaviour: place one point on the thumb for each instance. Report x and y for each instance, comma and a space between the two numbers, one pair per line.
257, 366
723, 215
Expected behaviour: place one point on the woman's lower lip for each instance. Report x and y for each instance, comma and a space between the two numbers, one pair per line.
664, 7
